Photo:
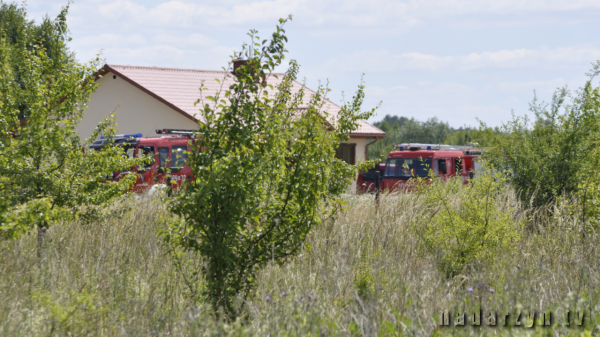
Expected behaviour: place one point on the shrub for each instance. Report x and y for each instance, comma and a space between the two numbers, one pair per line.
265, 173
464, 223
554, 154
467, 135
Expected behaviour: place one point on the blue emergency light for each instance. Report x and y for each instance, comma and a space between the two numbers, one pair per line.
131, 135
127, 135
428, 147
401, 148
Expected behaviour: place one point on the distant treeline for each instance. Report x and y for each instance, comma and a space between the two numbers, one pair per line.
404, 130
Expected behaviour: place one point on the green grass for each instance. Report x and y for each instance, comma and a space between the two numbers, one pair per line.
360, 275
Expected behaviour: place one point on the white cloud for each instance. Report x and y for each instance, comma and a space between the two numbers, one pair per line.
521, 58
385, 91
540, 86
191, 41
182, 14
318, 13
463, 104
162, 55
109, 40
437, 8
458, 103
385, 61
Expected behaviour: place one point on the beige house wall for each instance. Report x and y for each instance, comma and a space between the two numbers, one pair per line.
361, 144
137, 111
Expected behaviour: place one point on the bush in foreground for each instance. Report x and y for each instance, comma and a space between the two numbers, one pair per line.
464, 224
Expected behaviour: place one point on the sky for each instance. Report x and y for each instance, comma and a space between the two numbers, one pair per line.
462, 61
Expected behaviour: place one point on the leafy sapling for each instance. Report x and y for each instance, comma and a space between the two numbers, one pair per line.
265, 170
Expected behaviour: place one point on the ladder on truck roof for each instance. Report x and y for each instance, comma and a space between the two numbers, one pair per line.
182, 132
473, 148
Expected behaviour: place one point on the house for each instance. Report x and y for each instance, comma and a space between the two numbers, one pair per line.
150, 98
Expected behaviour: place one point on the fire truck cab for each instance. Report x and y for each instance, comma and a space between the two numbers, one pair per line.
168, 154
415, 160
366, 181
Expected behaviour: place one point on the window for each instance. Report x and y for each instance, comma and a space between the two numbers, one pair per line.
442, 166
163, 158
370, 174
405, 168
149, 152
129, 152
179, 155
346, 152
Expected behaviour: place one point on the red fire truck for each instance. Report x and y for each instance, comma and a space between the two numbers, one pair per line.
366, 180
167, 152
415, 160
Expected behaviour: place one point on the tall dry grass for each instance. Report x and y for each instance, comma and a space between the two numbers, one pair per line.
361, 274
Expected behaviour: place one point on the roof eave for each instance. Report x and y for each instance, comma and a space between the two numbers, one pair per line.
367, 135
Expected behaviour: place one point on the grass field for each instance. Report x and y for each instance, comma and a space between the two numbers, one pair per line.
360, 275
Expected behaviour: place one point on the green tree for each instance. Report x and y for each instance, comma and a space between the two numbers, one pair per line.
45, 176
393, 121
265, 172
385, 126
49, 35
554, 154
467, 135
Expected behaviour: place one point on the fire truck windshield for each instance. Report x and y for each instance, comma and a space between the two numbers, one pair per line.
129, 152
406, 168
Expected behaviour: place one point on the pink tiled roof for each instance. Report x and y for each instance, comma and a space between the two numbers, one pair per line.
178, 88
365, 128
